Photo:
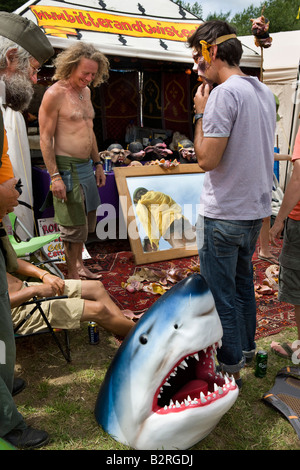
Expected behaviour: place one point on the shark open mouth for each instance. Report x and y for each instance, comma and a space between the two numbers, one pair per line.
192, 383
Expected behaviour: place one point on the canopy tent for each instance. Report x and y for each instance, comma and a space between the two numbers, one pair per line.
281, 74
281, 60
151, 29
146, 44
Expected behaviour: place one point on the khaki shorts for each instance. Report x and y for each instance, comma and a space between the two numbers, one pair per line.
289, 260
61, 313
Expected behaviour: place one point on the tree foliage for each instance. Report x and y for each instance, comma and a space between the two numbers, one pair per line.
283, 15
11, 5
194, 8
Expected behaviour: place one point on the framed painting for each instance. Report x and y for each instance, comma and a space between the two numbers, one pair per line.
159, 207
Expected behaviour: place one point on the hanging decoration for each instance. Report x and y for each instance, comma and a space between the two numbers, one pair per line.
260, 31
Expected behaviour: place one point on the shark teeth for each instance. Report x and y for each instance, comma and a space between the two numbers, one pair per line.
219, 384
183, 364
203, 399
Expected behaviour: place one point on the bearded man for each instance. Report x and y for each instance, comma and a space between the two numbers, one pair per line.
23, 48
18, 94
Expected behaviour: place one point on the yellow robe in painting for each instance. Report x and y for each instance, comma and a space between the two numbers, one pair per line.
156, 212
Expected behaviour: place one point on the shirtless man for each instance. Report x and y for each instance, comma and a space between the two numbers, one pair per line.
69, 148
87, 301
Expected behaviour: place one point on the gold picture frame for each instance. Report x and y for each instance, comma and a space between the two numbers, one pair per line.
182, 184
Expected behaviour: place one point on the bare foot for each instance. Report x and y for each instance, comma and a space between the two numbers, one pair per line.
282, 349
85, 273
129, 314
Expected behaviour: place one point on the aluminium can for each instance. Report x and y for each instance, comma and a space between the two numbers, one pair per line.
261, 363
107, 164
93, 332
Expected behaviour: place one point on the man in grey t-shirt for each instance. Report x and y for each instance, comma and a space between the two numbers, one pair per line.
234, 142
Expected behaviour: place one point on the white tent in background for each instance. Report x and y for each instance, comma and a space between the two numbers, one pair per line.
149, 29
19, 154
281, 74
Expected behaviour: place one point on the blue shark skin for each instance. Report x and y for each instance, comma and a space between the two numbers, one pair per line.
161, 390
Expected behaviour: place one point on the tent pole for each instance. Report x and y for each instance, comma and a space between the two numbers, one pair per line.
141, 89
261, 64
292, 127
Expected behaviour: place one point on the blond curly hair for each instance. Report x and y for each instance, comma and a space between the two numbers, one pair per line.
69, 59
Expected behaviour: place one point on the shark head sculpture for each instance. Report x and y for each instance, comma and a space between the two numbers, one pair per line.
161, 390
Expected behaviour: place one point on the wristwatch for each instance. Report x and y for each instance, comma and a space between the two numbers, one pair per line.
97, 163
198, 116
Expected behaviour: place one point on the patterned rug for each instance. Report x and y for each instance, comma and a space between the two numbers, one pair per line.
272, 315
138, 287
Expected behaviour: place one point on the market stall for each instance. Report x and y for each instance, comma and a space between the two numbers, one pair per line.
151, 85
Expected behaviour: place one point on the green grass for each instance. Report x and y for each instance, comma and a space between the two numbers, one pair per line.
60, 397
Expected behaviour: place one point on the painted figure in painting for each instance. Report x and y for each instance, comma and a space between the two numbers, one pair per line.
161, 216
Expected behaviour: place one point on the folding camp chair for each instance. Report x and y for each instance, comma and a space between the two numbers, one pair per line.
32, 245
38, 310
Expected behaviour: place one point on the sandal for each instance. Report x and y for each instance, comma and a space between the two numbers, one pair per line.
286, 347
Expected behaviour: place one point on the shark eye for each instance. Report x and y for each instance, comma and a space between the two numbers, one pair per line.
143, 339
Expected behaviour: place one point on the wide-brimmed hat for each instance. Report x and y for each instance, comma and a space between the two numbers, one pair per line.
26, 34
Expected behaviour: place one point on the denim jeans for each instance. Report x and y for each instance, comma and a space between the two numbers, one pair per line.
225, 249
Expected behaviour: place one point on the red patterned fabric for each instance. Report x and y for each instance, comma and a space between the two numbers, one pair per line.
272, 315
152, 104
117, 266
177, 107
121, 98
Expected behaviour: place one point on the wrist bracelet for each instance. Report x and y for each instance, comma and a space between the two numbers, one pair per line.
57, 178
43, 275
97, 163
55, 174
197, 117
